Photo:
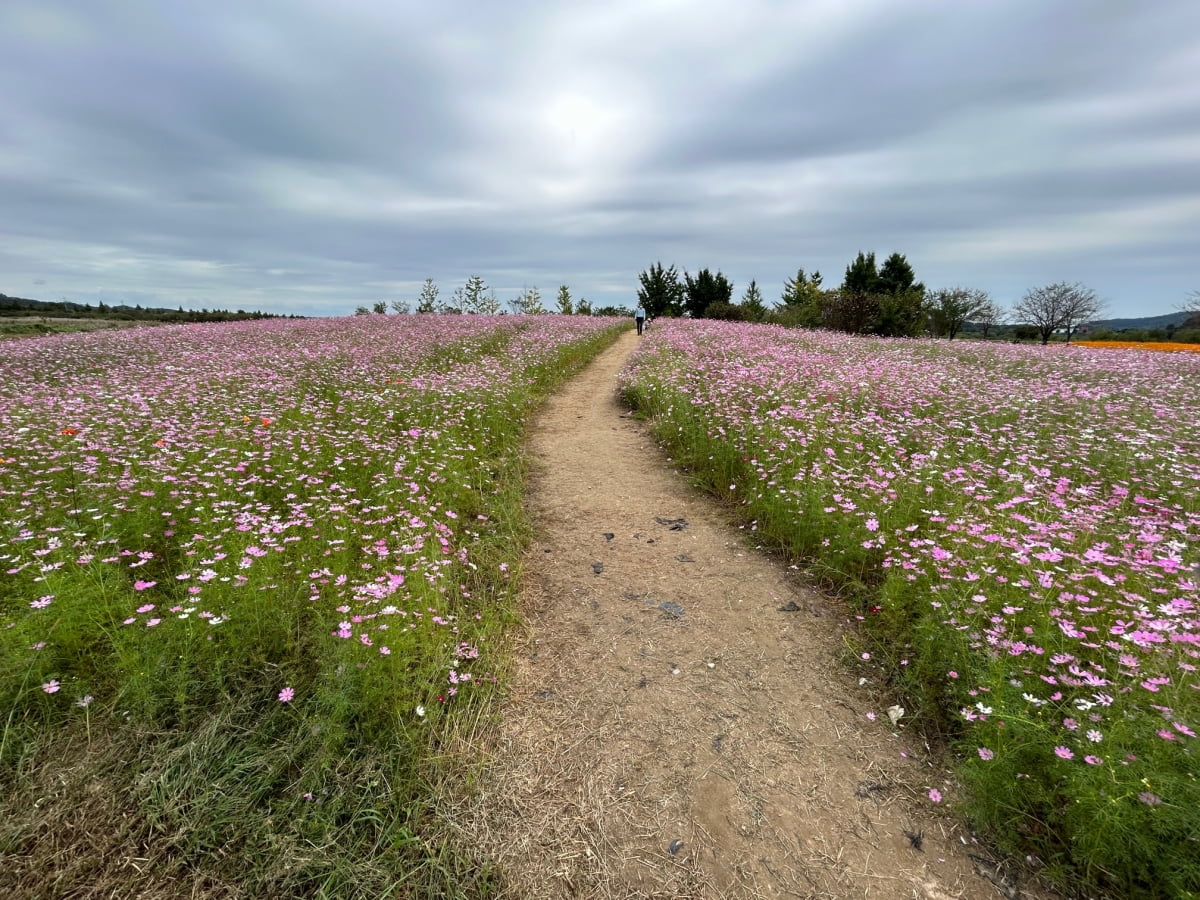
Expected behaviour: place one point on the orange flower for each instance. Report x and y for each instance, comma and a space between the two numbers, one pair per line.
266, 421
69, 431
245, 420
1161, 346
160, 443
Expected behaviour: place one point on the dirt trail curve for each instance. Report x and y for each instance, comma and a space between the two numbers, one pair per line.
671, 732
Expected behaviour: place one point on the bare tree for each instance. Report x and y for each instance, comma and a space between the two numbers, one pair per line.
1191, 304
1055, 306
990, 315
951, 308
401, 307
1082, 306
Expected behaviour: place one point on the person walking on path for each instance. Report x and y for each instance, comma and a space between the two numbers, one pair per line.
639, 317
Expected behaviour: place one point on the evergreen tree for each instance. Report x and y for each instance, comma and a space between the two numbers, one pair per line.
752, 304
861, 276
704, 290
563, 301
660, 293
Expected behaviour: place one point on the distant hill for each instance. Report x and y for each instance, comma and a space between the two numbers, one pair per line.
1146, 322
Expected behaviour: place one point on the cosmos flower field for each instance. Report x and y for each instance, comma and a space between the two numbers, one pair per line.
311, 521
1018, 532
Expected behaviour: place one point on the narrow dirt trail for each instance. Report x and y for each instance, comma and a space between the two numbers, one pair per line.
671, 731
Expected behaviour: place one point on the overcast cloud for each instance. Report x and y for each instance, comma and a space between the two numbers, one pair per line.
308, 157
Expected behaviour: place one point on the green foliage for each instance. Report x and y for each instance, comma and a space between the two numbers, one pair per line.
704, 290
528, 303
563, 301
752, 305
660, 293
887, 302
802, 302
861, 275
896, 276
622, 312
477, 298
727, 312
379, 307
427, 301
951, 308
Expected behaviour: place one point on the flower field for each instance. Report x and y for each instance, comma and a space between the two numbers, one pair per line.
311, 523
1018, 531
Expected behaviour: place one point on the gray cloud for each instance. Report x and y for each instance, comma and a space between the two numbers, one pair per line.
304, 157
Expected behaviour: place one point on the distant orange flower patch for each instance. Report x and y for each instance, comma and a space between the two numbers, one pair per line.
1164, 346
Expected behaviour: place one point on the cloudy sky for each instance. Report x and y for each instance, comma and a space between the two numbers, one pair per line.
308, 156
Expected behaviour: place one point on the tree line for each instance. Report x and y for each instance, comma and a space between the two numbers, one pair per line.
68, 309
882, 299
474, 297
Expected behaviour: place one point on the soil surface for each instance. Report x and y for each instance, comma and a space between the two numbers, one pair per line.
682, 723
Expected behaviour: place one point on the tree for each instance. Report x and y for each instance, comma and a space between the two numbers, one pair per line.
563, 301
1191, 305
752, 306
802, 290
861, 276
457, 304
490, 305
850, 311
474, 300
896, 276
1058, 305
427, 299
379, 307
1082, 306
990, 315
401, 307
802, 300
660, 293
583, 307
528, 303
704, 290
361, 311
951, 308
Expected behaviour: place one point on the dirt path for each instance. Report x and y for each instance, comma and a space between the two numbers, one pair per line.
671, 732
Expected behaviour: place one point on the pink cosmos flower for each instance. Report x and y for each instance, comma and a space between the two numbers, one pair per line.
1064, 753
286, 695
52, 686
985, 754
935, 795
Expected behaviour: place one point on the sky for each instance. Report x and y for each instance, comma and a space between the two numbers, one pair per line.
310, 156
